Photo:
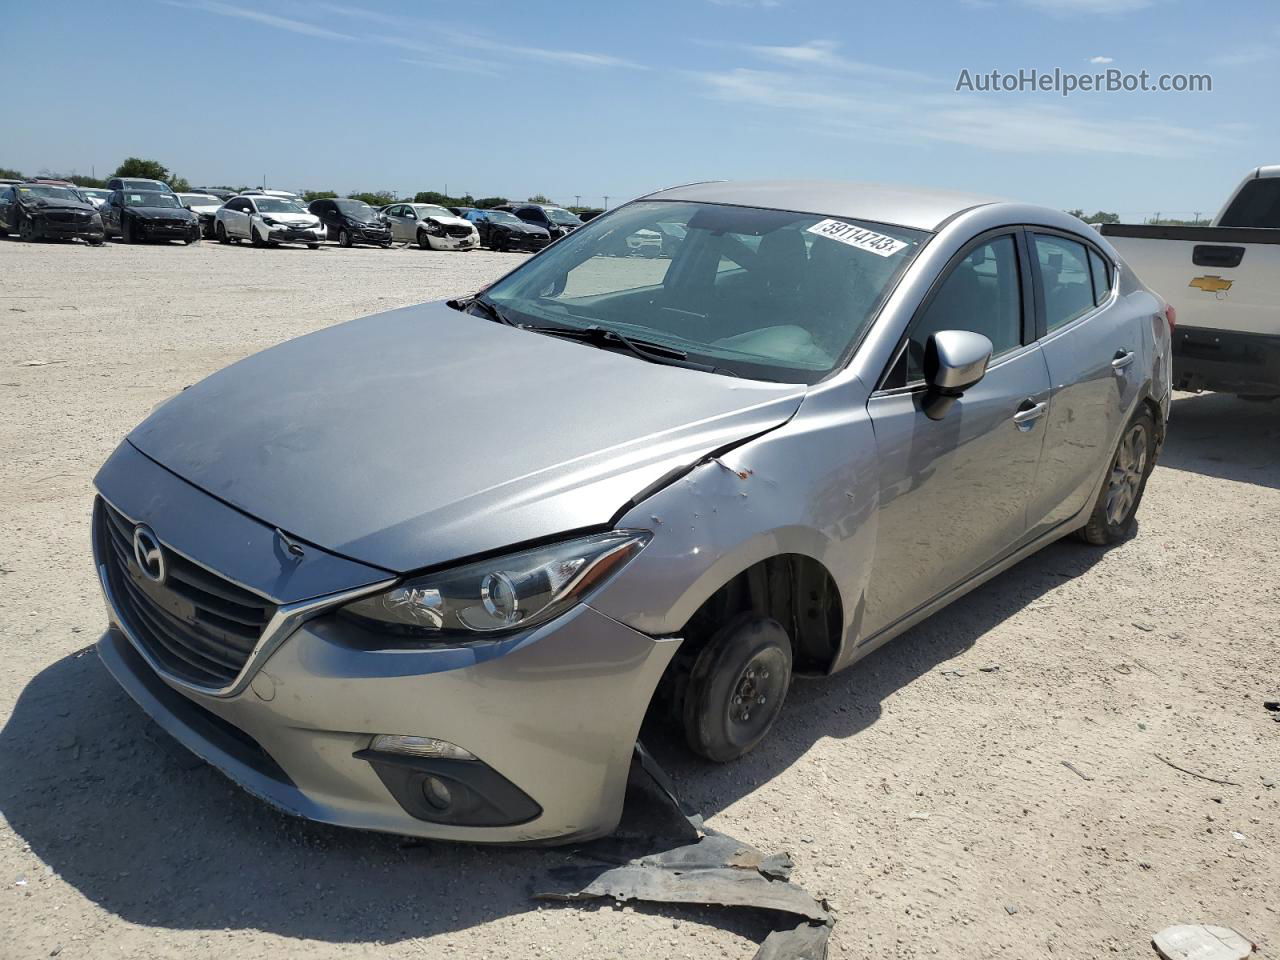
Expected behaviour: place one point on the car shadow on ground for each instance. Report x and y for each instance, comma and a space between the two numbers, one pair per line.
1218, 435
146, 831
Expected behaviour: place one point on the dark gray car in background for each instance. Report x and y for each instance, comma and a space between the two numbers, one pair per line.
427, 571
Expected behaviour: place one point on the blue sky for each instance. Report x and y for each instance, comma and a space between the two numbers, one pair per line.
602, 97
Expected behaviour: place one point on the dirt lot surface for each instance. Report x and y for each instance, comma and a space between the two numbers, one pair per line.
924, 791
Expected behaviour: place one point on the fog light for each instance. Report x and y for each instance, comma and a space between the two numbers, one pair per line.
436, 793
420, 747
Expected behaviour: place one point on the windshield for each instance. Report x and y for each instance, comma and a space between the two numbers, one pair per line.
357, 209
431, 210
153, 185
95, 193
199, 200
277, 205
47, 192
501, 216
150, 199
765, 294
561, 215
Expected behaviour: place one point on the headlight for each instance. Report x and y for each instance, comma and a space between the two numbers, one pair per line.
270, 222
502, 594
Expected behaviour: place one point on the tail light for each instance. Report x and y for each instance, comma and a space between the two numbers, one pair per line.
1171, 315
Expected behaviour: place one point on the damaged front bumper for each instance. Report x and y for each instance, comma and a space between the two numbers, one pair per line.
551, 722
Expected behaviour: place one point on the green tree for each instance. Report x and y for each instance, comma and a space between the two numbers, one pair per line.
539, 198
1077, 212
488, 203
10, 174
151, 170
1103, 217
309, 195
379, 198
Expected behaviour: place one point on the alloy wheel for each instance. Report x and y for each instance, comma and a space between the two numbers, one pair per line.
1127, 471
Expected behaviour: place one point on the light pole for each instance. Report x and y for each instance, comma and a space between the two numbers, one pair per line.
606, 201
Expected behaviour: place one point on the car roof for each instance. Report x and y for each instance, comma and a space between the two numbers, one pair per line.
915, 207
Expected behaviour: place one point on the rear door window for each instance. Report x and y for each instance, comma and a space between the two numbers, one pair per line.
1101, 277
1064, 273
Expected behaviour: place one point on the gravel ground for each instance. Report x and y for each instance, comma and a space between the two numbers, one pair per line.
924, 791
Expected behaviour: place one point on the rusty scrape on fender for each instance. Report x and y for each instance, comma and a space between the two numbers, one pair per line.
702, 868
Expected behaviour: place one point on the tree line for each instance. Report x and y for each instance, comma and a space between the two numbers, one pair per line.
155, 170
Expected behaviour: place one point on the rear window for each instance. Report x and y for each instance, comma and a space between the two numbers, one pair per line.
1101, 277
1068, 286
1256, 205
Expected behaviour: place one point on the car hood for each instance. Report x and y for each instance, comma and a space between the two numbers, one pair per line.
424, 435
46, 204
302, 218
205, 208
526, 228
450, 221
161, 213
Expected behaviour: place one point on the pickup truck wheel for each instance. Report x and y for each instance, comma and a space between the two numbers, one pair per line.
736, 687
1117, 504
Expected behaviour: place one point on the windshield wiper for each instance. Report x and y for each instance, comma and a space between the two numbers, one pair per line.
602, 337
490, 309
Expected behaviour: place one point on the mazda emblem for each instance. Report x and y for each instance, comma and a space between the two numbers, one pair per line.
148, 553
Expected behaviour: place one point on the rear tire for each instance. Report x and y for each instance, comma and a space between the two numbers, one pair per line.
1131, 465
736, 688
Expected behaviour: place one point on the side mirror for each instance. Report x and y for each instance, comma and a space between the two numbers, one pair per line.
954, 360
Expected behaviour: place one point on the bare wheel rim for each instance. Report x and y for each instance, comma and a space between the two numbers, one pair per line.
1126, 475
755, 696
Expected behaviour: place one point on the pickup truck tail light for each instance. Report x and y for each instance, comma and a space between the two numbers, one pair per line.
1171, 315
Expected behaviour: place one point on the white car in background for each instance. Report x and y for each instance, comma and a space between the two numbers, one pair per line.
265, 220
95, 195
430, 226
203, 205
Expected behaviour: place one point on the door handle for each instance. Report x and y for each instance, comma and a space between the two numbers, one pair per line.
1122, 359
1028, 413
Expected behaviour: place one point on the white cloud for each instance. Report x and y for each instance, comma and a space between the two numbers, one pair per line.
1102, 59
1068, 8
1244, 57
989, 123
265, 19
824, 54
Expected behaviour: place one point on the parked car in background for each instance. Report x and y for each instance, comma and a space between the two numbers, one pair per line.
95, 195
842, 407
262, 192
266, 220
205, 207
138, 185
352, 221
37, 210
557, 221
500, 230
1224, 280
222, 193
430, 226
140, 215
8, 181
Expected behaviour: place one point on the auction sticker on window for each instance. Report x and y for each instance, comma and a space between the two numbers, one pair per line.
859, 237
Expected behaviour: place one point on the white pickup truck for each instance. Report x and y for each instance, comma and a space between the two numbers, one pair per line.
1224, 282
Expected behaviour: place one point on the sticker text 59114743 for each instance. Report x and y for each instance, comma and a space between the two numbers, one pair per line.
859, 237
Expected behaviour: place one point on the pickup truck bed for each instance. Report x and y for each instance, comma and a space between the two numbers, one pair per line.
1224, 283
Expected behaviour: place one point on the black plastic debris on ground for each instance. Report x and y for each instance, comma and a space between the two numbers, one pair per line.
663, 853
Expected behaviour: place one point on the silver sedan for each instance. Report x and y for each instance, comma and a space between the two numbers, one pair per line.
430, 226
426, 572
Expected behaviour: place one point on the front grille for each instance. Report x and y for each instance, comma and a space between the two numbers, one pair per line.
196, 625
458, 231
68, 216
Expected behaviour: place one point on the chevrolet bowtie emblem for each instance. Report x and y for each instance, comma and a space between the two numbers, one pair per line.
1211, 284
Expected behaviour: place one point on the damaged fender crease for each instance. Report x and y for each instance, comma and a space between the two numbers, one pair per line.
703, 868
